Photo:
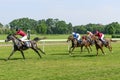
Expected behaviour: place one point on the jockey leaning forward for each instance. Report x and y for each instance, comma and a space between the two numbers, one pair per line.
76, 36
21, 33
100, 36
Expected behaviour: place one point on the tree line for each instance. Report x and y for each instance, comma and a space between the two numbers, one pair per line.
56, 26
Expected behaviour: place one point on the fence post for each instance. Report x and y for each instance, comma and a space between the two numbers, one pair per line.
43, 46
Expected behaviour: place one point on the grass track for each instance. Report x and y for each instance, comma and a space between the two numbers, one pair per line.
58, 65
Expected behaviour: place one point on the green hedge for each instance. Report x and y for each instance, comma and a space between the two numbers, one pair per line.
115, 36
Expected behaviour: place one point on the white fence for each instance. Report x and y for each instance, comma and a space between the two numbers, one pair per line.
54, 40
60, 40
48, 40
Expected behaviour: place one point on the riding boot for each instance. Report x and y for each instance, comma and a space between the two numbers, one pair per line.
103, 41
23, 43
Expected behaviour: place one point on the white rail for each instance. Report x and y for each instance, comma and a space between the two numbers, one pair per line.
48, 40
53, 40
60, 40
116, 39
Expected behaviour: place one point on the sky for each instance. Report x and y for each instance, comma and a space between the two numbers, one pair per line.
77, 12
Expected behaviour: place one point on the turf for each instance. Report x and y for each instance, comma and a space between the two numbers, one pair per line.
58, 65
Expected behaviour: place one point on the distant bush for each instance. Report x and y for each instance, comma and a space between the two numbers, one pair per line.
115, 36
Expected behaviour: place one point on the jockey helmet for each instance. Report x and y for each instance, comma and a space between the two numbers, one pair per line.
97, 32
88, 31
17, 29
73, 33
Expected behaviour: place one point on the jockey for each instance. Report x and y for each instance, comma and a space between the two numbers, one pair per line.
89, 34
21, 33
100, 36
76, 36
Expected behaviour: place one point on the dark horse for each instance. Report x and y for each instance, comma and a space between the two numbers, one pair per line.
99, 44
19, 45
75, 44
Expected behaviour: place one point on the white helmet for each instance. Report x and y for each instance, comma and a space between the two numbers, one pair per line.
88, 31
73, 33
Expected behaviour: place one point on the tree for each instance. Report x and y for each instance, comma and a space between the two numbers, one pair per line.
115, 26
42, 27
50, 25
23, 23
69, 28
61, 27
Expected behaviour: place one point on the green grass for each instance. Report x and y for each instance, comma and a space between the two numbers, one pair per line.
58, 65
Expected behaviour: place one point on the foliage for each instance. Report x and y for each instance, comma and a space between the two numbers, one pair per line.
115, 36
49, 26
56, 26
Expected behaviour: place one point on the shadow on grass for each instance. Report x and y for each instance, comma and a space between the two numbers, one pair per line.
83, 56
4, 59
16, 59
74, 54
60, 53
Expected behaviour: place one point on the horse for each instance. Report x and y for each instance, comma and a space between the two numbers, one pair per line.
99, 44
75, 44
19, 45
87, 41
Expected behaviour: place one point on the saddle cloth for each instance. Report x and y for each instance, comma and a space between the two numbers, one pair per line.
28, 43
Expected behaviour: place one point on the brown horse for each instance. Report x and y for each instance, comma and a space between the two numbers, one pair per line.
88, 41
18, 45
75, 44
99, 44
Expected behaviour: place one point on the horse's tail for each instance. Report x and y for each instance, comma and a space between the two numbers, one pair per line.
111, 40
37, 39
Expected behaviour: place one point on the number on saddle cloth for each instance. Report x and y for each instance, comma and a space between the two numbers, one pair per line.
28, 43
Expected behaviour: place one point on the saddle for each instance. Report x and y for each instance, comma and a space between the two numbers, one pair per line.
26, 43
104, 42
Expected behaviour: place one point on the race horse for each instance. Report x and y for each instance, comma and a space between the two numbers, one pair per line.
19, 45
75, 44
99, 44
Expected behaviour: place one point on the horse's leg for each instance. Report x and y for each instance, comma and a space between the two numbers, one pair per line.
37, 52
110, 48
102, 50
90, 48
40, 50
22, 54
11, 54
87, 49
81, 48
70, 51
73, 49
97, 50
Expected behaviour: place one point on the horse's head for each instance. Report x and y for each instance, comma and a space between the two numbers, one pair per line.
9, 37
70, 38
73, 40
